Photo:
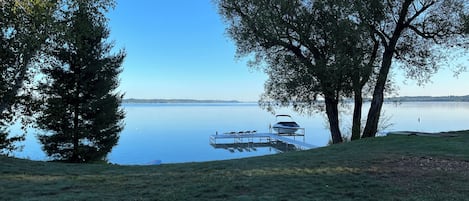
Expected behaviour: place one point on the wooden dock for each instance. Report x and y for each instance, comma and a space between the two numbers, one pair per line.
240, 138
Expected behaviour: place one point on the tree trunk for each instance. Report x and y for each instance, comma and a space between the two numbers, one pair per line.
75, 155
357, 115
76, 107
378, 96
332, 112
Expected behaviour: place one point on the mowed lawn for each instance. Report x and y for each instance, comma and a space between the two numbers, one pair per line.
396, 167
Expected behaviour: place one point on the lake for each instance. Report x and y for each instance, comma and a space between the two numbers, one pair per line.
175, 133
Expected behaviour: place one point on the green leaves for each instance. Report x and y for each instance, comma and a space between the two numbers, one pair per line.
311, 49
81, 113
24, 28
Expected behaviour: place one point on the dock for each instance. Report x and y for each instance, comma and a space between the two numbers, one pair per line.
235, 139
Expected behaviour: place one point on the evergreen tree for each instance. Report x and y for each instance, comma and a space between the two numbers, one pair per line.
80, 109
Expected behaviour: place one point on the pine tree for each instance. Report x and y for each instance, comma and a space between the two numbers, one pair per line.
81, 113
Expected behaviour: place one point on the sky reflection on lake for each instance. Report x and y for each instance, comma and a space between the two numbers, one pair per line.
173, 133
180, 132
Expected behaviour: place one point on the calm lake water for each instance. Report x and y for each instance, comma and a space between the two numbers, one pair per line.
174, 133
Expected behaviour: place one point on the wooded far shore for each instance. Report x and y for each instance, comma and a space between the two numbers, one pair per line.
391, 99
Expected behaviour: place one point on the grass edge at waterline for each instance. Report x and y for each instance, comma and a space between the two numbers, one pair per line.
396, 167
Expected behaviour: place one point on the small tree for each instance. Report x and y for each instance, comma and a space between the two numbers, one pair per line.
80, 111
24, 27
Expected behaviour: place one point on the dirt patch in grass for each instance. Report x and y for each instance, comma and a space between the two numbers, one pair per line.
423, 178
417, 165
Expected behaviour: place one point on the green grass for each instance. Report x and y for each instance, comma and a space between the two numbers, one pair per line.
386, 168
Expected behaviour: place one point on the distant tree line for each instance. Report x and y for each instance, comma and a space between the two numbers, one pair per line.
58, 74
319, 53
429, 99
133, 100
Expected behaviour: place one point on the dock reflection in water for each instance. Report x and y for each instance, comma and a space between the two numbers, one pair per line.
252, 146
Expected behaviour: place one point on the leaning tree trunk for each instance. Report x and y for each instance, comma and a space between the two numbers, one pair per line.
332, 112
378, 96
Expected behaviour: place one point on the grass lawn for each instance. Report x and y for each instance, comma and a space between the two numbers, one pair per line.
397, 167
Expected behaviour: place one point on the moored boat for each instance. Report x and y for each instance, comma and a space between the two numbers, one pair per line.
285, 124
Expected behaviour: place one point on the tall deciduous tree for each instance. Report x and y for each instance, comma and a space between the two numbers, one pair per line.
81, 111
334, 48
310, 48
417, 34
24, 28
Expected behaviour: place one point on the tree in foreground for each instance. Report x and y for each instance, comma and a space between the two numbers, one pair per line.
24, 28
418, 35
309, 50
81, 113
332, 49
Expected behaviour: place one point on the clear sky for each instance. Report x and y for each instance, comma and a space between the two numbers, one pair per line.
179, 49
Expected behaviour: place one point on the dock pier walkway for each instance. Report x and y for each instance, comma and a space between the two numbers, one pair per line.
250, 137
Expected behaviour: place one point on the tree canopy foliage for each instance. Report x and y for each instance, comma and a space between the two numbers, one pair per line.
310, 49
24, 28
420, 36
332, 49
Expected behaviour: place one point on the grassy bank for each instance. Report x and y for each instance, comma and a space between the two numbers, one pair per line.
397, 167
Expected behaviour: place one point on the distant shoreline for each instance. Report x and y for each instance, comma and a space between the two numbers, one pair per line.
134, 100
391, 99
429, 99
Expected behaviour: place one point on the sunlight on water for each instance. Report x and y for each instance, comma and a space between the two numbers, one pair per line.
173, 133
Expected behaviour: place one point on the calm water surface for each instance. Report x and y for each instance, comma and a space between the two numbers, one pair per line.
173, 133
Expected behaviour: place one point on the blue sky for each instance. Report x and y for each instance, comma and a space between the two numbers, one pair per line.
179, 49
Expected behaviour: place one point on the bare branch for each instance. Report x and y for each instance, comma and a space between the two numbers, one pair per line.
423, 34
418, 12
384, 38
